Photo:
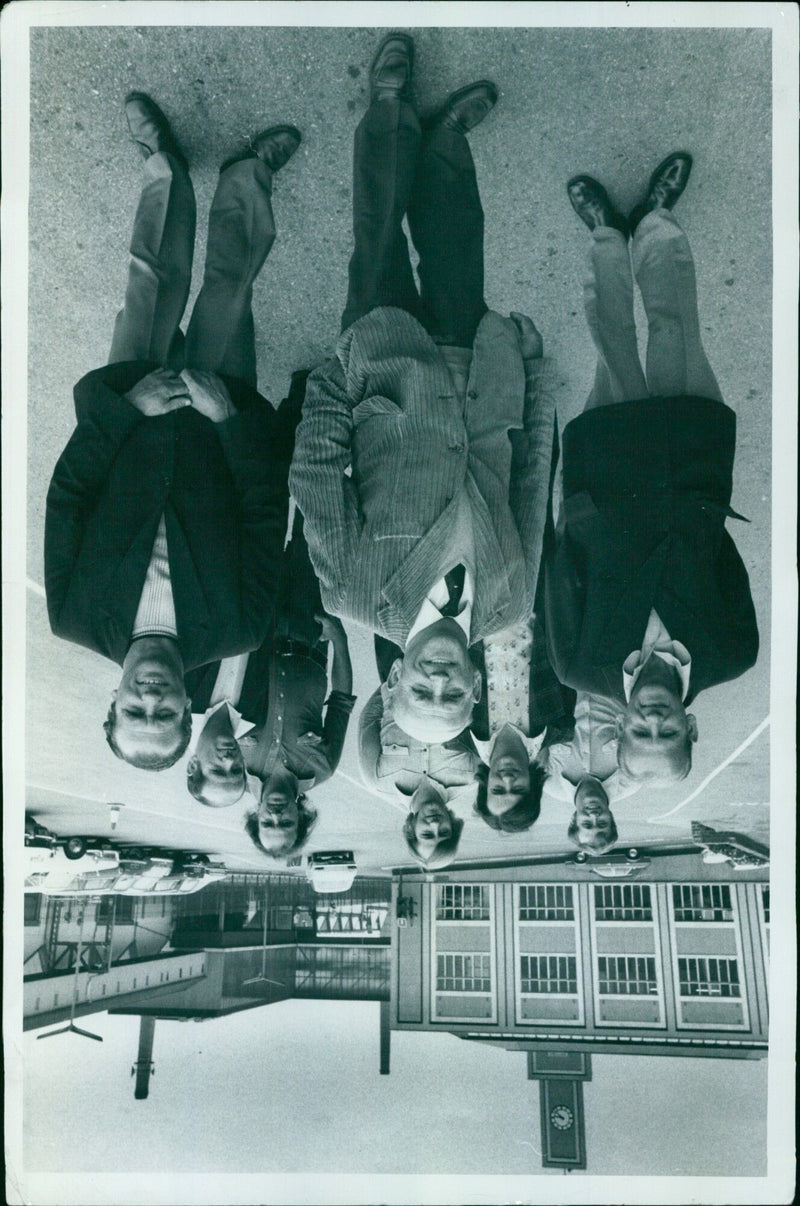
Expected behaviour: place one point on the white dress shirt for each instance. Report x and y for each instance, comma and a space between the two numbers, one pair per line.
200, 719
485, 748
230, 679
437, 598
658, 641
155, 615
591, 751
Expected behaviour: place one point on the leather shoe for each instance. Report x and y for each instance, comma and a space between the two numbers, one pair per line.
593, 205
466, 108
666, 185
275, 146
390, 71
149, 127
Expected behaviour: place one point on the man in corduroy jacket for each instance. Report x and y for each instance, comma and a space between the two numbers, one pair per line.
432, 403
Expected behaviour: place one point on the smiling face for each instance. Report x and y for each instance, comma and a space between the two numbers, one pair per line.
434, 686
432, 821
593, 826
215, 773
509, 778
655, 731
278, 812
151, 703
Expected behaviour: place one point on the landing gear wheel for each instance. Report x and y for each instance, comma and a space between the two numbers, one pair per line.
75, 847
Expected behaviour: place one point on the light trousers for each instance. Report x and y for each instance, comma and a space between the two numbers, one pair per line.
241, 230
676, 362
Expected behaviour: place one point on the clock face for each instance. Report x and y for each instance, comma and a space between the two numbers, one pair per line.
561, 1117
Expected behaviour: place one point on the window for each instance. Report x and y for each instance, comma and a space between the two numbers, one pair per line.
622, 902
765, 902
546, 902
627, 975
463, 973
702, 977
462, 902
702, 902
549, 973
33, 908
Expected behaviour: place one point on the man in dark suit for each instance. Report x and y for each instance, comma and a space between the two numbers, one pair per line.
434, 404
647, 598
167, 510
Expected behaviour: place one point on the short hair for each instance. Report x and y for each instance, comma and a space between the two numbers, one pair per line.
523, 814
597, 847
148, 761
196, 781
445, 851
306, 820
678, 777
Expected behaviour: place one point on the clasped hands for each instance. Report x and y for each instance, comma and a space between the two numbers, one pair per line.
164, 390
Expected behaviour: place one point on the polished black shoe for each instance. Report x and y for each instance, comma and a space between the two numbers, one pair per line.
275, 146
593, 205
390, 71
149, 128
466, 108
666, 185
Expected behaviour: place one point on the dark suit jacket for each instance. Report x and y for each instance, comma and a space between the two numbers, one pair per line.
647, 487
222, 489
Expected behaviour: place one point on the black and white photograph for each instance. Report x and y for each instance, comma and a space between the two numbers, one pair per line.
400, 602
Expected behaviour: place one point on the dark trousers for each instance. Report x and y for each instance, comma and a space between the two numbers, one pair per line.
300, 600
429, 176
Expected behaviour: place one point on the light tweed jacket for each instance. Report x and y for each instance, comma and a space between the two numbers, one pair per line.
384, 406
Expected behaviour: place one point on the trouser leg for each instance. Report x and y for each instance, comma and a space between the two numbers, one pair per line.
241, 231
445, 218
664, 269
608, 302
384, 161
301, 600
160, 268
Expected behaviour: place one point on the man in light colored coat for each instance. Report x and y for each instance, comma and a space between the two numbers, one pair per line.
433, 404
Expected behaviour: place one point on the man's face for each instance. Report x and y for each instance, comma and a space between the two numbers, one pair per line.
509, 777
278, 811
654, 732
434, 686
592, 815
432, 823
150, 701
220, 760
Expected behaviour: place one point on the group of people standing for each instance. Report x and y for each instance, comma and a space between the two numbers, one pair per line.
517, 650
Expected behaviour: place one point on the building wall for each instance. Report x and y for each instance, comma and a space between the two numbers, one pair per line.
658, 960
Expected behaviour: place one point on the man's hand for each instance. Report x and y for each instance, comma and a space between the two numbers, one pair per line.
531, 343
158, 393
209, 395
332, 627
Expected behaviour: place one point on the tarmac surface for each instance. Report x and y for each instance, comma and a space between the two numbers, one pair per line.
608, 102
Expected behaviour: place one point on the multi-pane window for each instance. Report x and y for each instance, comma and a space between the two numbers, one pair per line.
463, 973
627, 975
462, 902
765, 902
702, 902
549, 973
546, 902
622, 902
702, 977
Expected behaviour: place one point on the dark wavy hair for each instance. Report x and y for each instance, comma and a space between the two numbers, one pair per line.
445, 851
523, 814
306, 820
152, 762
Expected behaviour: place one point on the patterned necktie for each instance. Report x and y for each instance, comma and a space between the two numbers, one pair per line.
454, 581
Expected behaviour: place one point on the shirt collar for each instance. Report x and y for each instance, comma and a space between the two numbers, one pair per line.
485, 748
199, 720
429, 613
673, 653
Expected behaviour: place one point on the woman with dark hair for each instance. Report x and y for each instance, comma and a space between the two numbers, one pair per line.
284, 819
432, 831
523, 698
